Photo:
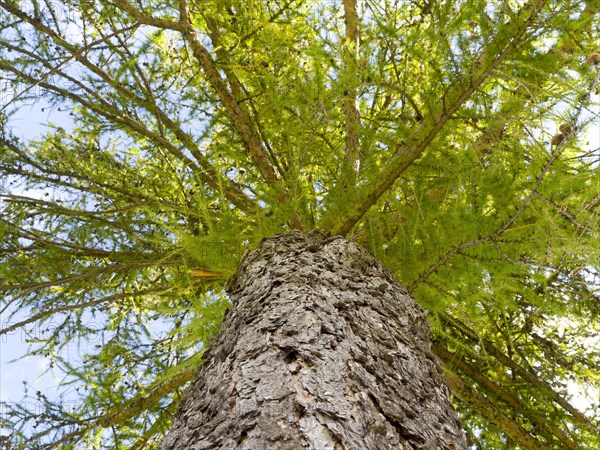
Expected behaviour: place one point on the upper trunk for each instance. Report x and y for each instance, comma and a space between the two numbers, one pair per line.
322, 349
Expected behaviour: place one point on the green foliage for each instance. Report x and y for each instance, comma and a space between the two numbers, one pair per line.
180, 144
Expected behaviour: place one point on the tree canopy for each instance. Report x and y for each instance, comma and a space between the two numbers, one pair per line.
450, 139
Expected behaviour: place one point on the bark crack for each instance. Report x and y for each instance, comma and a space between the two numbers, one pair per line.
397, 424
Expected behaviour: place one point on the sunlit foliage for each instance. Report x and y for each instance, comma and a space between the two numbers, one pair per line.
451, 139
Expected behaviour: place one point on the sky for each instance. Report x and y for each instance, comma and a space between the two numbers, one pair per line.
29, 123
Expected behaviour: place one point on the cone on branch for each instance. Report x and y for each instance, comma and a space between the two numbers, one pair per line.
593, 58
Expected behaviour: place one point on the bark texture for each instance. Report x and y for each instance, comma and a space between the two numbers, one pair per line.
322, 349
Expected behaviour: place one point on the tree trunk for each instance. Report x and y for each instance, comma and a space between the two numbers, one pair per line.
322, 349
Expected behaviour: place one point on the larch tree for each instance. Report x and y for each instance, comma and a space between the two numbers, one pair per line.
313, 175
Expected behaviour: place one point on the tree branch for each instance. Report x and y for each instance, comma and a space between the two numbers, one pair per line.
240, 120
350, 52
557, 149
233, 192
487, 409
453, 361
61, 309
544, 387
508, 37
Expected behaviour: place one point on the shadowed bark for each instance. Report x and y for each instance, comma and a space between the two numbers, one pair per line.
322, 349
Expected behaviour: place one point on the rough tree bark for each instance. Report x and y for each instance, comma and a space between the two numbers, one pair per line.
322, 349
